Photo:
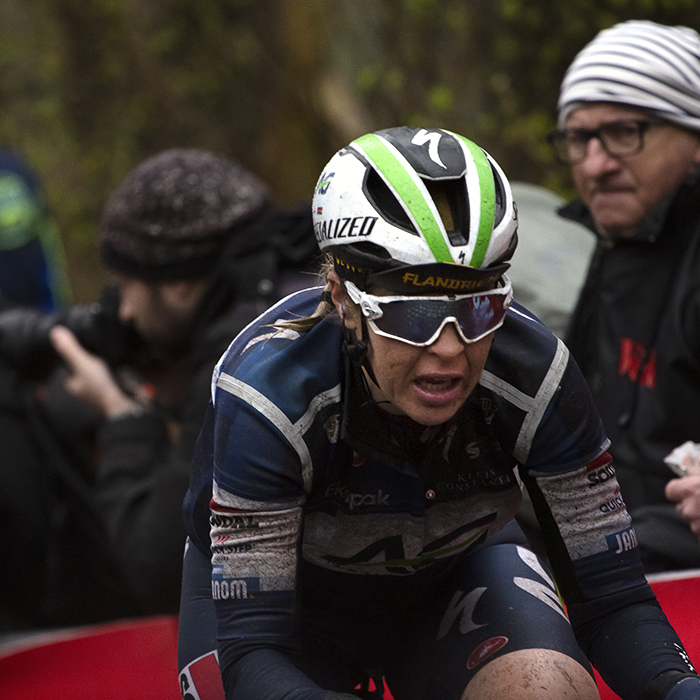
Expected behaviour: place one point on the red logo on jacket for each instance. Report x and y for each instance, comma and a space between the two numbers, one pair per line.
637, 363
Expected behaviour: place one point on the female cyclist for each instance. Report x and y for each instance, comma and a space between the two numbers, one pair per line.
357, 477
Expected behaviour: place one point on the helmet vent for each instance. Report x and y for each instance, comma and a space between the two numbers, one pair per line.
385, 202
500, 198
450, 199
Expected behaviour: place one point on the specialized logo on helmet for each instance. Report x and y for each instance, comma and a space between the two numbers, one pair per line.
433, 140
347, 227
402, 176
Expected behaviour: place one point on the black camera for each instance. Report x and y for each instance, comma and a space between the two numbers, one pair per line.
26, 347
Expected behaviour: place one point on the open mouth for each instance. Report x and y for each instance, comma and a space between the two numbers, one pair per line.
438, 385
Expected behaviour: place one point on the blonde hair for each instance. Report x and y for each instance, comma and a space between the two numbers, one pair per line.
325, 308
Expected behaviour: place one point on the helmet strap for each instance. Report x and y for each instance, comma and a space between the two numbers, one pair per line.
357, 350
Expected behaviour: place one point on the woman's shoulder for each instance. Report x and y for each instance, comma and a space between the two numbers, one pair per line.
524, 349
286, 366
540, 395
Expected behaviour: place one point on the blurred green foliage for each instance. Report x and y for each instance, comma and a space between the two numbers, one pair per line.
89, 89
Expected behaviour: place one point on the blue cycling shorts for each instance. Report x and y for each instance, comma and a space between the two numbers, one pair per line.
494, 600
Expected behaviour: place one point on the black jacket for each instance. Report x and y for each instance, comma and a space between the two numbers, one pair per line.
106, 496
635, 333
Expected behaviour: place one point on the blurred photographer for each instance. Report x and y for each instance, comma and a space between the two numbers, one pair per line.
110, 396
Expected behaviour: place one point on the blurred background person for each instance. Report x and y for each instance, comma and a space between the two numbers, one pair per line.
629, 127
685, 492
32, 276
197, 250
32, 265
552, 256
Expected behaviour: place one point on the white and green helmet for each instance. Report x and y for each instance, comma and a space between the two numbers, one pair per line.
409, 197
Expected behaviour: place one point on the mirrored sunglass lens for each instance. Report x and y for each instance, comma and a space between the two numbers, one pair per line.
418, 320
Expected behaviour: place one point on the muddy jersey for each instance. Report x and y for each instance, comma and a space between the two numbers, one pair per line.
298, 481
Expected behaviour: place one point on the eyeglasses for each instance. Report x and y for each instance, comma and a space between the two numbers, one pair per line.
419, 320
624, 137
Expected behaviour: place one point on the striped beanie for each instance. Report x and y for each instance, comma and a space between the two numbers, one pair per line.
640, 64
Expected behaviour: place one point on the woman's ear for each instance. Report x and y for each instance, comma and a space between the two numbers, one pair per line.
339, 297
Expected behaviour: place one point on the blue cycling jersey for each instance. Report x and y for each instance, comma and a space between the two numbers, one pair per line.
312, 485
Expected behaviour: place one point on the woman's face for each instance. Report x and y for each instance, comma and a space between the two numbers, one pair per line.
429, 384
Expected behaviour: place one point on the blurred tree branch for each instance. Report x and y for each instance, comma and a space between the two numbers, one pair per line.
89, 89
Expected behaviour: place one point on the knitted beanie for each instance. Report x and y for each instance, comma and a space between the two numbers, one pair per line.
640, 64
173, 214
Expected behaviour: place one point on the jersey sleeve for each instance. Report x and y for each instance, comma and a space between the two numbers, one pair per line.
256, 514
252, 541
592, 546
549, 422
261, 477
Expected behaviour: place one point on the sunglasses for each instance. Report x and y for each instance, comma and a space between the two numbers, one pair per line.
419, 320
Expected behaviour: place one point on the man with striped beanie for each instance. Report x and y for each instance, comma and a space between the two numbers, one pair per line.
629, 127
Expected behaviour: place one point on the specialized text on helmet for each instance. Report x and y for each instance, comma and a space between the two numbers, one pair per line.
345, 227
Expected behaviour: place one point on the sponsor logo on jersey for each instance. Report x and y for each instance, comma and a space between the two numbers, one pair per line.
488, 410
233, 521
332, 428
356, 500
483, 478
233, 548
613, 504
223, 588
345, 227
484, 650
622, 541
600, 471
391, 555
585, 526
472, 450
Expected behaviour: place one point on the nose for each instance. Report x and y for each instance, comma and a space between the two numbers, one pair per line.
598, 161
126, 305
448, 343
